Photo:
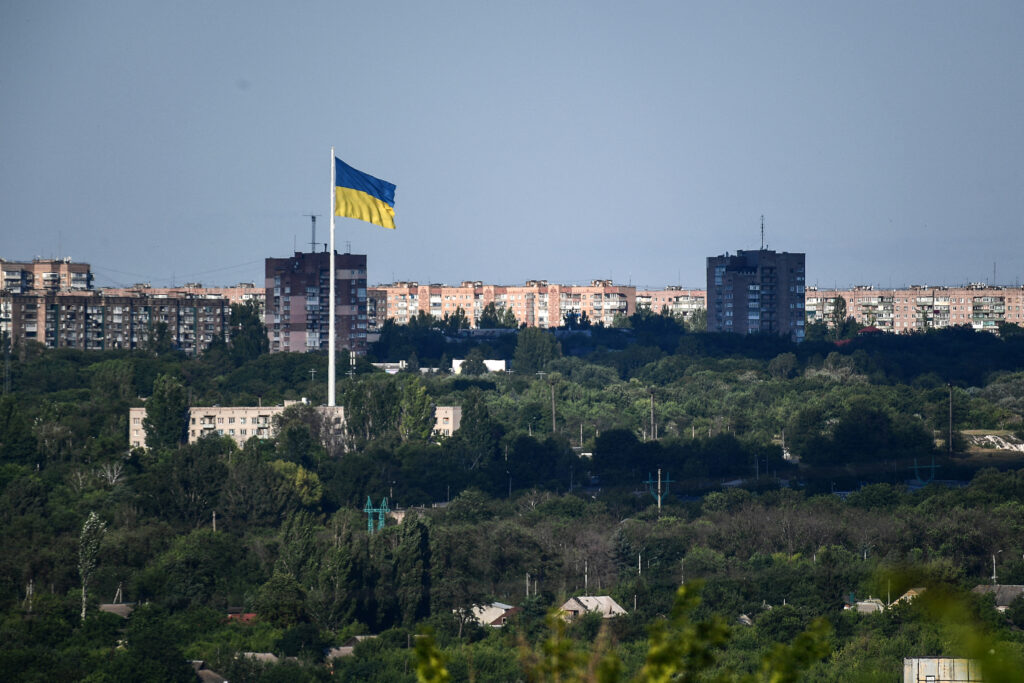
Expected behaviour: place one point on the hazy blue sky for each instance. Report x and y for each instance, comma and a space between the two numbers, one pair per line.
184, 141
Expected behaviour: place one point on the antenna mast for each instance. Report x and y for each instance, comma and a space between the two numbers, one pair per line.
762, 232
312, 242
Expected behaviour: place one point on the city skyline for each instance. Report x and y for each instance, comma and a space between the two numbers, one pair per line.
569, 143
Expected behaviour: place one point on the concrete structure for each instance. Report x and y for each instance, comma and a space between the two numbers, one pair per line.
602, 604
756, 291
941, 670
241, 423
94, 322
535, 304
297, 301
49, 275
920, 308
447, 420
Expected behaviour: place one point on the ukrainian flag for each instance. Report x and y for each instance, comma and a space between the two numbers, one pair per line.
360, 195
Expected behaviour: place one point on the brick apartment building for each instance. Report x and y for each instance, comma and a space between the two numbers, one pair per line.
674, 299
297, 302
242, 293
49, 275
756, 291
536, 303
52, 302
917, 308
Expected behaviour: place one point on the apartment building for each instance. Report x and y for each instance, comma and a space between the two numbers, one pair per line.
94, 322
50, 275
447, 420
297, 312
674, 299
242, 293
535, 303
918, 308
241, 423
756, 292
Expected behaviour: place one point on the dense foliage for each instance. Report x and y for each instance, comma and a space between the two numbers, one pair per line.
546, 485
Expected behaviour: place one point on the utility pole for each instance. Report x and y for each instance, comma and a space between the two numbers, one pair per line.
659, 491
654, 435
552, 407
950, 439
6, 340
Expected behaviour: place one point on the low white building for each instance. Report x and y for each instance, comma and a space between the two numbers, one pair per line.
241, 423
491, 365
447, 420
941, 670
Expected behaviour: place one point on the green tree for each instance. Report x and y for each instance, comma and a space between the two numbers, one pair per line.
166, 411
534, 349
452, 323
416, 413
495, 317
783, 366
151, 653
698, 321
16, 441
280, 600
473, 365
1015, 612
88, 552
249, 338
412, 571
158, 340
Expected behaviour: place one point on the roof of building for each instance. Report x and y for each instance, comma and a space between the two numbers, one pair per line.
1005, 594
121, 609
205, 674
867, 606
604, 604
911, 594
268, 657
490, 615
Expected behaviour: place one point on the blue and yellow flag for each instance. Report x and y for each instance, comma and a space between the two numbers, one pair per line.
360, 195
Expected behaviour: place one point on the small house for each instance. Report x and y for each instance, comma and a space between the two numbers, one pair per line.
584, 604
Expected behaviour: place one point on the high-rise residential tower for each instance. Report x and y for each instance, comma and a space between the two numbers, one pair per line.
297, 315
757, 291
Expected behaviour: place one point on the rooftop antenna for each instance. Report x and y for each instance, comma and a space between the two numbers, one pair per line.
348, 247
312, 242
762, 232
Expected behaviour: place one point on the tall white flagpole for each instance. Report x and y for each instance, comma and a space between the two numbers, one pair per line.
330, 328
